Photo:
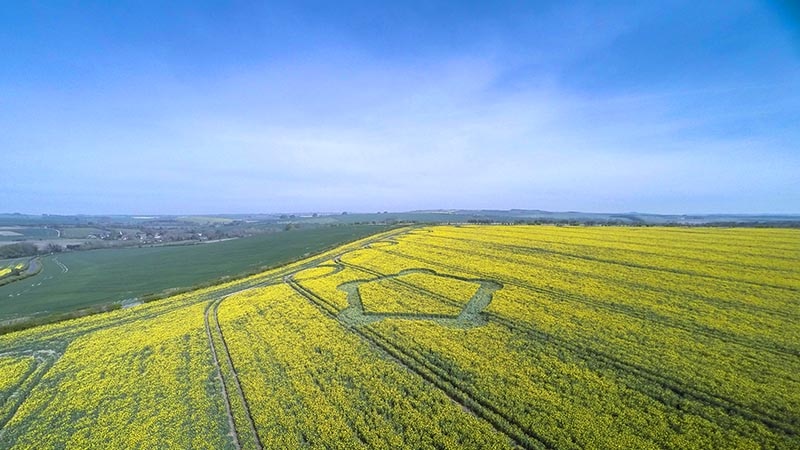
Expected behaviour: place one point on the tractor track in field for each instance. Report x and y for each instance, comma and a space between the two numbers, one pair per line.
213, 308
44, 361
627, 310
643, 248
60, 337
228, 409
670, 385
721, 303
469, 312
667, 383
62, 266
508, 426
629, 264
211, 314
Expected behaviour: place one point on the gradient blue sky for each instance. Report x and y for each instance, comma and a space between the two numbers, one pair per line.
211, 107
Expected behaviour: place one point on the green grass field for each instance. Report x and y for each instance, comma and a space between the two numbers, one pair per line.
21, 233
79, 232
70, 281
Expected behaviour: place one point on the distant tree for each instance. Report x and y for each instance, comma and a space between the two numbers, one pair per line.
19, 250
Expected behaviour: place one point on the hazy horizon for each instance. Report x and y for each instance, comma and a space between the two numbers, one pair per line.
324, 213
204, 108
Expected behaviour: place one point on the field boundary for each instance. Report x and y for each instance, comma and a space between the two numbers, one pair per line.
33, 321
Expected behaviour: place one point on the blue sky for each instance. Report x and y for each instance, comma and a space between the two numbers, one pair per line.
211, 107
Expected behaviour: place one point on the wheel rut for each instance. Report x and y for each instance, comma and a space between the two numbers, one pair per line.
671, 385
233, 433
44, 360
212, 316
353, 321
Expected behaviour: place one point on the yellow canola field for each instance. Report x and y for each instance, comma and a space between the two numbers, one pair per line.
323, 270
311, 383
147, 384
694, 341
458, 291
567, 338
390, 296
9, 269
12, 371
328, 286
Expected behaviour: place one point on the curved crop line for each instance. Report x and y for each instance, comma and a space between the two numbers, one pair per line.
627, 310
639, 243
336, 269
469, 314
229, 360
33, 268
463, 398
388, 241
669, 383
234, 434
64, 268
630, 264
44, 360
